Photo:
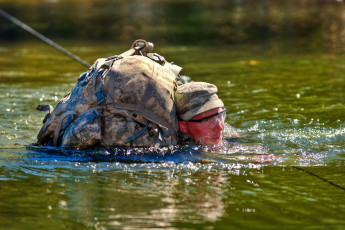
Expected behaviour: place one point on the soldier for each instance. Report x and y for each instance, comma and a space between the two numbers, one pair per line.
201, 113
127, 100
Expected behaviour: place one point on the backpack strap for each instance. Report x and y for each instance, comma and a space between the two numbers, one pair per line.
62, 118
58, 127
160, 139
147, 113
167, 65
146, 96
98, 87
140, 47
138, 134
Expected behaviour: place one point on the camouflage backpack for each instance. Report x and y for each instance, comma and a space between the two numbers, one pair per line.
124, 100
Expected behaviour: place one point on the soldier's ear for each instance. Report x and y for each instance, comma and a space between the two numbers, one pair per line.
183, 127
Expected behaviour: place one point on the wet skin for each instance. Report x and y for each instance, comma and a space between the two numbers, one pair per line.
208, 132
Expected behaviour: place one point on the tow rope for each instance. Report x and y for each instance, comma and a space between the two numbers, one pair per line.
317, 176
42, 37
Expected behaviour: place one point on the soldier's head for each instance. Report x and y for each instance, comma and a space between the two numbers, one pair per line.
201, 113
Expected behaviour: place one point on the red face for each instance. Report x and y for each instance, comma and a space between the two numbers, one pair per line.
206, 132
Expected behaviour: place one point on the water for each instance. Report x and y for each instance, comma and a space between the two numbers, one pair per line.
279, 67
286, 170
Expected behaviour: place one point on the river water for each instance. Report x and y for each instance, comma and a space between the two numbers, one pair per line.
286, 170
279, 67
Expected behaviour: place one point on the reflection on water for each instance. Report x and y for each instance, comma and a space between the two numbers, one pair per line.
287, 118
78, 194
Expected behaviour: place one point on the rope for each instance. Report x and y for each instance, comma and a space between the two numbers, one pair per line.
42, 37
321, 178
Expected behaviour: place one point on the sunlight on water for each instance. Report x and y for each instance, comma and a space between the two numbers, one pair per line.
283, 163
279, 141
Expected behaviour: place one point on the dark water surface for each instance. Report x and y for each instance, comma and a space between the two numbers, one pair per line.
279, 67
287, 170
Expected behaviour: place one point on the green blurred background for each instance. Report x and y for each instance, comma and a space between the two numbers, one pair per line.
202, 22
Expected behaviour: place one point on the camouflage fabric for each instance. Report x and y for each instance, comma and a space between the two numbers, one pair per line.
81, 98
194, 98
117, 127
113, 101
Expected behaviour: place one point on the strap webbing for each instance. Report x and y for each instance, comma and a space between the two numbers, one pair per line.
138, 134
148, 92
58, 127
146, 96
150, 115
98, 87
